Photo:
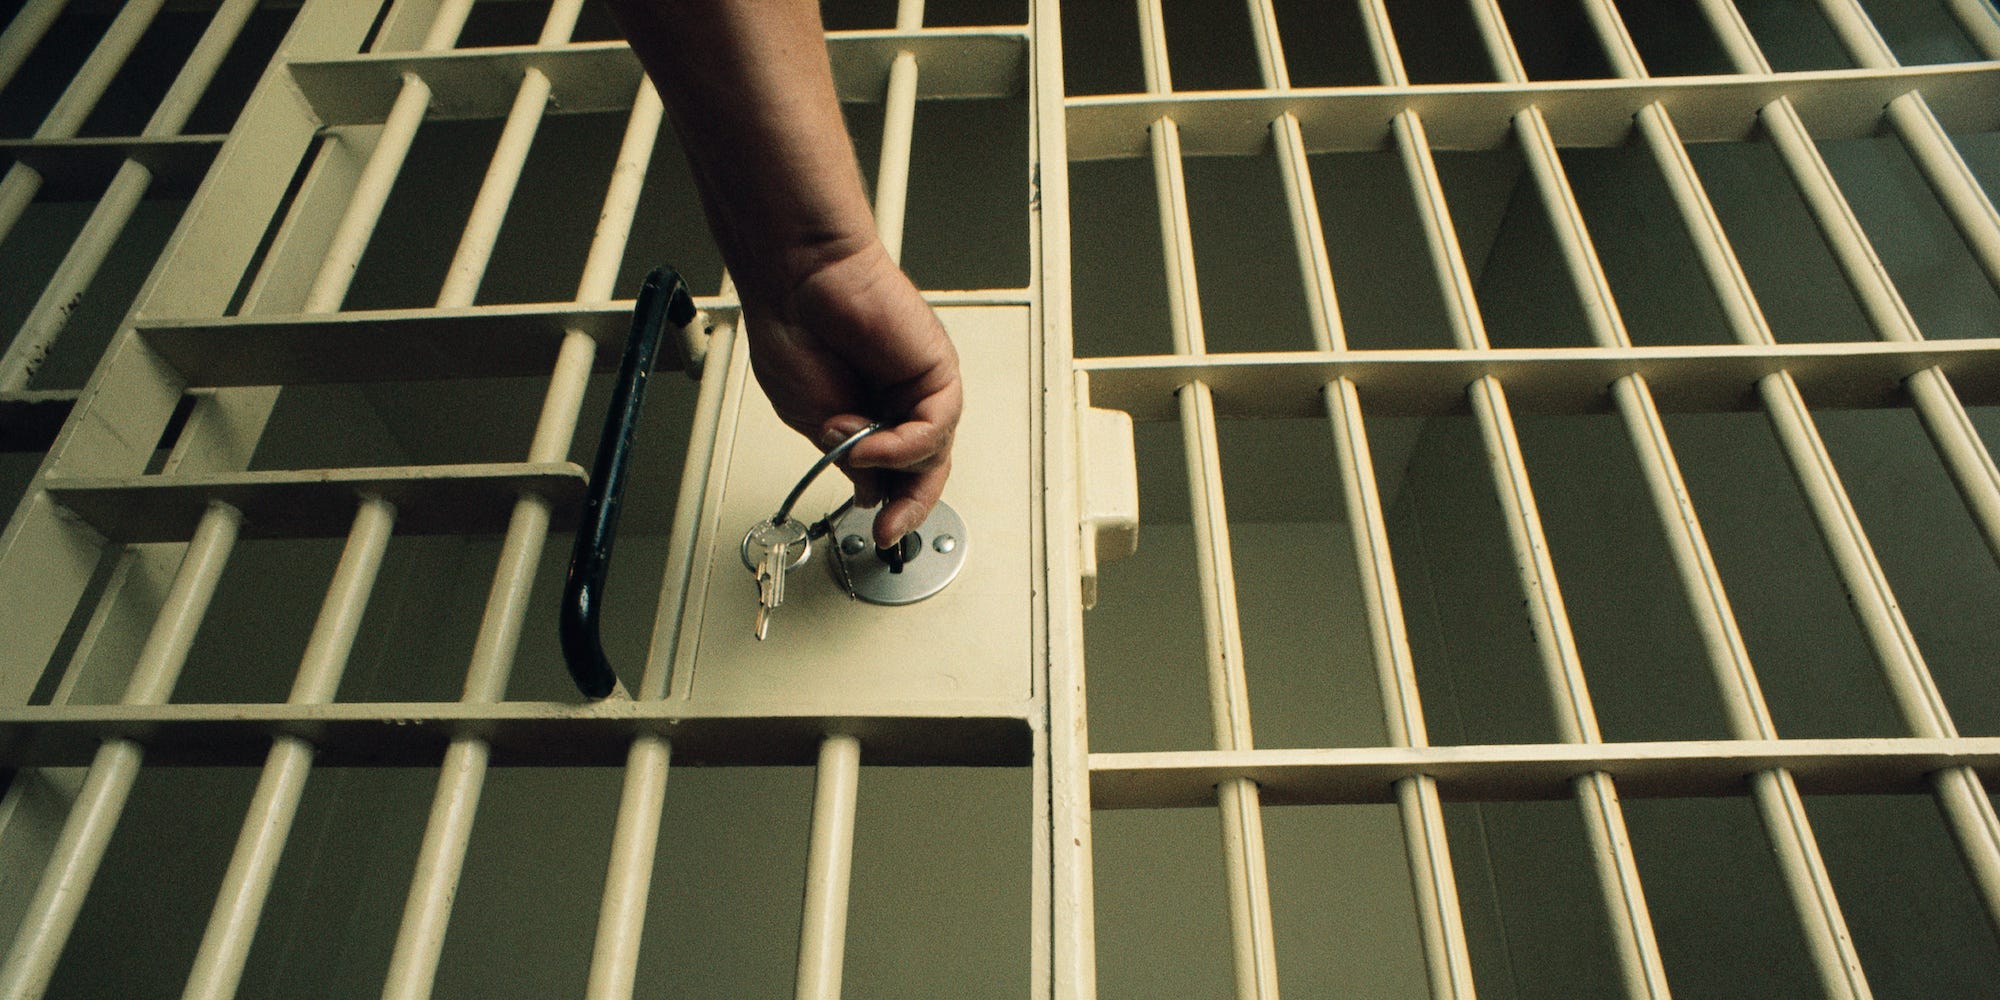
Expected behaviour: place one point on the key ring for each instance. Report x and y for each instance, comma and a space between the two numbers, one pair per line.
833, 454
818, 529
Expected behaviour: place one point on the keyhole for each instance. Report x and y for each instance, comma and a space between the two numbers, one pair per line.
905, 549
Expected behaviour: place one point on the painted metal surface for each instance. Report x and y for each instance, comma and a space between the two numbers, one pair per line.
991, 671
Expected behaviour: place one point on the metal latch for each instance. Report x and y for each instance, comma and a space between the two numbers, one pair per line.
1107, 487
924, 562
921, 563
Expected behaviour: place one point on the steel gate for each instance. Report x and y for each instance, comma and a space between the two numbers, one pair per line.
1575, 450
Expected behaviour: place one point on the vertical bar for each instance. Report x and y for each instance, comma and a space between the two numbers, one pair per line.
441, 858
1070, 904
635, 841
1970, 821
1807, 882
51, 312
621, 914
232, 925
1968, 812
899, 108
503, 172
622, 911
829, 862
1965, 202
23, 33
1630, 923
378, 176
1247, 877
21, 182
1981, 23
260, 845
1441, 926
79, 851
829, 867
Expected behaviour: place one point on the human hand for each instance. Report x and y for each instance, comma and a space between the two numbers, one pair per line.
854, 343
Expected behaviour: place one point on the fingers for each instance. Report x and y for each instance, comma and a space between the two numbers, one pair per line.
910, 500
904, 466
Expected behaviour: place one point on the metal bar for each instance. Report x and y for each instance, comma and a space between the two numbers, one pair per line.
66, 287
1806, 879
79, 851
1967, 460
829, 868
829, 863
315, 503
503, 171
1719, 378
21, 182
239, 905
1063, 789
600, 76
1629, 922
23, 33
932, 732
1808, 884
899, 108
621, 916
1448, 958
635, 838
427, 910
1981, 23
1249, 892
1844, 103
1968, 813
1537, 772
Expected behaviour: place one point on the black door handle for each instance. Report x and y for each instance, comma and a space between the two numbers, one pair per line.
663, 299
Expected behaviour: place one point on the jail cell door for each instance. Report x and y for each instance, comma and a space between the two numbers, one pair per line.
286, 711
1557, 437
1569, 520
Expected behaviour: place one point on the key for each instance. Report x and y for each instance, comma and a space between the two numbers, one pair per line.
771, 550
770, 585
905, 549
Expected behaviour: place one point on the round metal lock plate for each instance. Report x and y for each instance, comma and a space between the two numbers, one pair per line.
933, 561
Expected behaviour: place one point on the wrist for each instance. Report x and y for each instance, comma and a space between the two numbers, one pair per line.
775, 286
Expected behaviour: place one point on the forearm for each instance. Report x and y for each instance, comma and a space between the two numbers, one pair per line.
751, 95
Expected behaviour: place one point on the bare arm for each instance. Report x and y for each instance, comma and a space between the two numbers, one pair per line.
838, 334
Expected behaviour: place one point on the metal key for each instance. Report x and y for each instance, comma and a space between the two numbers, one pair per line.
770, 550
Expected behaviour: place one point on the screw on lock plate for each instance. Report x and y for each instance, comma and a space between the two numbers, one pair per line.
924, 562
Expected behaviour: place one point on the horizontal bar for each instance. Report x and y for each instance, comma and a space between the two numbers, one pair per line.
390, 345
602, 76
1836, 104
78, 169
1721, 377
1533, 770
321, 503
383, 345
532, 733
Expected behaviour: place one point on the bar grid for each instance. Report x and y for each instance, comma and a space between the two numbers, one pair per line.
1099, 134
297, 197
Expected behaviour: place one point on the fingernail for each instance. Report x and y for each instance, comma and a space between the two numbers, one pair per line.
830, 438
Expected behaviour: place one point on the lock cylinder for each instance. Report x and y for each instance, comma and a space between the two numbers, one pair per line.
920, 564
